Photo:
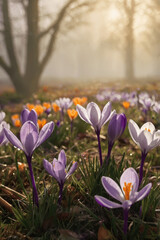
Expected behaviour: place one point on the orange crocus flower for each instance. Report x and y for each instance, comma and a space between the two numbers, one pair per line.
72, 113
30, 106
79, 101
126, 105
17, 123
41, 123
56, 108
46, 105
15, 117
39, 109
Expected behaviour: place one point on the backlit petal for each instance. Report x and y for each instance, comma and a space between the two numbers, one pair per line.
82, 113
143, 192
13, 139
112, 188
133, 130
104, 202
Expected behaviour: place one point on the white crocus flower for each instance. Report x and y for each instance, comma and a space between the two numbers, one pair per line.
145, 137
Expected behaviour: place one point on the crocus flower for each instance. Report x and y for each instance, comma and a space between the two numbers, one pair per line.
27, 115
93, 115
79, 101
41, 123
72, 113
57, 169
39, 109
64, 104
30, 139
146, 138
56, 108
3, 139
126, 105
126, 194
116, 128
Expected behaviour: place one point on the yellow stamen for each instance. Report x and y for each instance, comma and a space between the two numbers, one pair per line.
127, 189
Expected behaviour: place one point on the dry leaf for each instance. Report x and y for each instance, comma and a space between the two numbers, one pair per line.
104, 234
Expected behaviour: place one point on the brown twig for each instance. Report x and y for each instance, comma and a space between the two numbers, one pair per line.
6, 205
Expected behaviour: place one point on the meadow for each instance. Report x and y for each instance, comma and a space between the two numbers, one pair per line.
74, 193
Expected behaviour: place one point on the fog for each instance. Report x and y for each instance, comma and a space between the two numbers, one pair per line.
97, 48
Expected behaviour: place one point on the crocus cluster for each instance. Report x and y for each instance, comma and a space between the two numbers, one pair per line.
126, 194
30, 139
57, 169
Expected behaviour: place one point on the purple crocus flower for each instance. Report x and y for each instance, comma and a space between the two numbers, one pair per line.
27, 115
146, 138
57, 169
116, 128
30, 139
93, 115
126, 194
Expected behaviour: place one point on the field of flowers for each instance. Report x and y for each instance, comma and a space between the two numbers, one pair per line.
81, 164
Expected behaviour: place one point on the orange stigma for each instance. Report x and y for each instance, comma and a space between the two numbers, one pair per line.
147, 129
127, 189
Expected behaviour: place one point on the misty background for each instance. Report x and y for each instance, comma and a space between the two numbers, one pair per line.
97, 40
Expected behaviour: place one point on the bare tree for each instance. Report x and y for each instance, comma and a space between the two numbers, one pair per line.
36, 58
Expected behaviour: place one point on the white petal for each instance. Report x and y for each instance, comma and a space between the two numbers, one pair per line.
148, 126
133, 130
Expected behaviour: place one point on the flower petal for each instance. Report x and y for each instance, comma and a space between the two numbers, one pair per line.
24, 115
112, 188
145, 139
104, 202
94, 113
13, 139
62, 157
143, 192
106, 113
33, 116
45, 133
148, 126
133, 130
29, 137
72, 169
82, 113
130, 176
59, 171
49, 167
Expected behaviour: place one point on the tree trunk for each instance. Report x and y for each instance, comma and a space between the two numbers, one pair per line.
32, 52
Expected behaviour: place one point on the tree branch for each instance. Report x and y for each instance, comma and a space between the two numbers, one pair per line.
52, 40
4, 65
8, 37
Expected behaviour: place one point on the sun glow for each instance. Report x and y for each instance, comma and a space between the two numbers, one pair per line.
113, 14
